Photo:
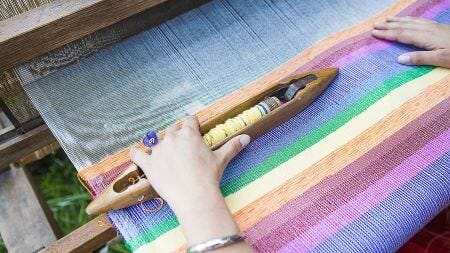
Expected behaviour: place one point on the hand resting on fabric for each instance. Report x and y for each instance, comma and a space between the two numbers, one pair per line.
423, 33
186, 174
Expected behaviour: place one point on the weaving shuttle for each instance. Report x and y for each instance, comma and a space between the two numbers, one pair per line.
297, 91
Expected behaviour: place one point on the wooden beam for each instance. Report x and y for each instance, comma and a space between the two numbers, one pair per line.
26, 223
55, 24
18, 147
38, 154
87, 238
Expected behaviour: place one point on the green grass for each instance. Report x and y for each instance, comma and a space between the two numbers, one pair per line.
56, 178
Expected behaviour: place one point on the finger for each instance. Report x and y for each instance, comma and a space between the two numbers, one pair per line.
231, 148
397, 25
191, 122
439, 57
409, 19
411, 37
172, 128
141, 159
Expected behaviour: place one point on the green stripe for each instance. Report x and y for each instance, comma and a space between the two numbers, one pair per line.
152, 233
295, 148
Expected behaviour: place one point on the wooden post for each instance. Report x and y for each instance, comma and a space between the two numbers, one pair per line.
26, 223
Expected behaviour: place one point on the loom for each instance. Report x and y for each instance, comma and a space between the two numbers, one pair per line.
361, 169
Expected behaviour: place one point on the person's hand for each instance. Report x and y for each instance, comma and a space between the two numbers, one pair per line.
182, 168
186, 173
423, 33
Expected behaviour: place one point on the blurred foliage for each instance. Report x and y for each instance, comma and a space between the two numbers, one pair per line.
2, 246
56, 178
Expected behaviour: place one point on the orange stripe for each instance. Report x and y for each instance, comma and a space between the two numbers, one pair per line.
222, 105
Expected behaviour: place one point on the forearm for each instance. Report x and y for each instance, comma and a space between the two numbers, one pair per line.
207, 217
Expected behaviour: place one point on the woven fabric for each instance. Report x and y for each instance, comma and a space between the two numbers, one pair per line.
362, 169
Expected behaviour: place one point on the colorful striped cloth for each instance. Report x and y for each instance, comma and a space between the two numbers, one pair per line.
362, 169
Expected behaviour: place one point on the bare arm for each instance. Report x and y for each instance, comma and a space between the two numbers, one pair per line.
433, 37
186, 173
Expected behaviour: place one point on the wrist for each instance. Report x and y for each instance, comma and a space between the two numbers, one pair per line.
193, 198
206, 218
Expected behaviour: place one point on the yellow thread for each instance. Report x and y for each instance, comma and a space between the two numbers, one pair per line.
132, 180
246, 118
82, 183
160, 200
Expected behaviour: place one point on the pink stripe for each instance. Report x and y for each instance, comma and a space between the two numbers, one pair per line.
371, 197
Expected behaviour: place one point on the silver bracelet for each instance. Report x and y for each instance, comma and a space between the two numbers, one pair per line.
215, 244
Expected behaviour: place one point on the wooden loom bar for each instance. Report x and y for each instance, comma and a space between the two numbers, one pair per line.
55, 24
86, 238
22, 145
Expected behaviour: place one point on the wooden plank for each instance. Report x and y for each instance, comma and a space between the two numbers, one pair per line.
55, 24
26, 223
87, 238
38, 154
22, 145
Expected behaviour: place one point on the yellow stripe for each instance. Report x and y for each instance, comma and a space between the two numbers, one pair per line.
174, 239
167, 242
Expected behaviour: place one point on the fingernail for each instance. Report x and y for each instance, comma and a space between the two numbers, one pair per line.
377, 23
404, 59
133, 152
245, 140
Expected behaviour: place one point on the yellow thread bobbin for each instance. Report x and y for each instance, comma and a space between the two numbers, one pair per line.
246, 118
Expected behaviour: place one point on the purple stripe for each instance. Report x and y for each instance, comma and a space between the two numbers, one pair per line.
425, 8
334, 190
438, 8
371, 197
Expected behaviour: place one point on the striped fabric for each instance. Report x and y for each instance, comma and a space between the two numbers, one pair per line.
362, 169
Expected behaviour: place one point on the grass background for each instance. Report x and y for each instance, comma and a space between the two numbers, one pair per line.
57, 180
